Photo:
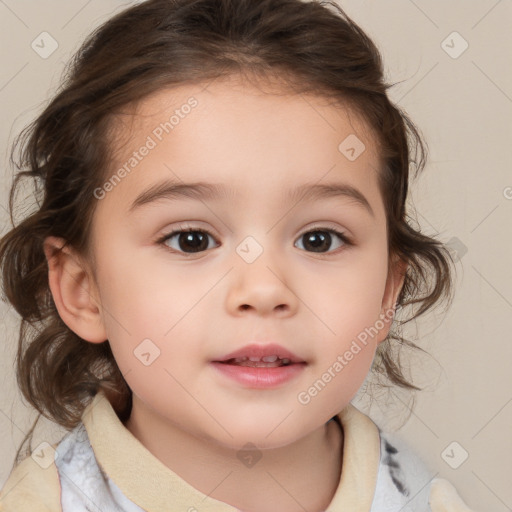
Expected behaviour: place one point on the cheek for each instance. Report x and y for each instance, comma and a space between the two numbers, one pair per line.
144, 298
348, 298
134, 285
349, 305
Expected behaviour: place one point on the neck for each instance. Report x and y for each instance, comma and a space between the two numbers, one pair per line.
303, 475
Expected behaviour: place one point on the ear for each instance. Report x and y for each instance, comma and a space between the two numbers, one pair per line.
74, 291
396, 276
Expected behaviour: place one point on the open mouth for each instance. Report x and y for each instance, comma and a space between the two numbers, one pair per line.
265, 362
260, 372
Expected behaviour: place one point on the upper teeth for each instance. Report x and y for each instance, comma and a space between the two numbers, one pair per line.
266, 359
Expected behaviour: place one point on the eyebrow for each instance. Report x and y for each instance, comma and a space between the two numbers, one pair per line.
210, 191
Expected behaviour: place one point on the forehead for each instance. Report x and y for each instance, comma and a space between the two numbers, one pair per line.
247, 137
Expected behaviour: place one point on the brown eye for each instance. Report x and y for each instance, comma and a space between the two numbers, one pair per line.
189, 241
321, 240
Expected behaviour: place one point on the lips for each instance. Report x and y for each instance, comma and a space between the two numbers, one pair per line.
252, 355
259, 366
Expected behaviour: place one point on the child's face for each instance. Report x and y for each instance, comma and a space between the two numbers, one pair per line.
197, 307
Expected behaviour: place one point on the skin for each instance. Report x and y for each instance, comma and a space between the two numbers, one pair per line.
198, 307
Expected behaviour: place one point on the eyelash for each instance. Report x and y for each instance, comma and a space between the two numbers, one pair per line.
343, 237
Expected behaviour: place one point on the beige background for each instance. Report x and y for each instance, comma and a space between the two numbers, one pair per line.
463, 106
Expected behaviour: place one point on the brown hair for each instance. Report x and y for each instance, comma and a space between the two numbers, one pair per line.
312, 46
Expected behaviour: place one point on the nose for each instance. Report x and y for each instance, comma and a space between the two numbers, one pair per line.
262, 287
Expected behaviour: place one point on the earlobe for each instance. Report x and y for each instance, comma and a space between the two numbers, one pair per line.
394, 284
73, 293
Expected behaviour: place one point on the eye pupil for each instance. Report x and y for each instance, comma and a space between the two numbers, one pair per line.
319, 240
195, 240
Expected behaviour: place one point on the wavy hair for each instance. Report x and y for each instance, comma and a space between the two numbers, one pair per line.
312, 46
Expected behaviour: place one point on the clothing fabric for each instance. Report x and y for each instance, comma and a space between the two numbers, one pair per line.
99, 466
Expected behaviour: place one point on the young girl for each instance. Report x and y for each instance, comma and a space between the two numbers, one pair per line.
220, 246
